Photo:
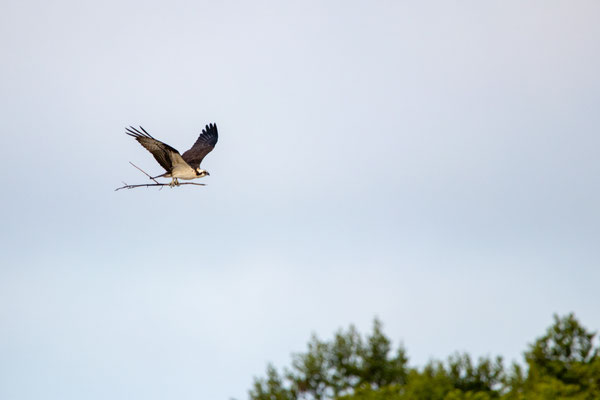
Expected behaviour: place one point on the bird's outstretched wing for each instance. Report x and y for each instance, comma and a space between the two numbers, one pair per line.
204, 145
162, 152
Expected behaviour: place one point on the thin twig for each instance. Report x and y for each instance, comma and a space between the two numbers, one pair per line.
153, 184
145, 173
157, 184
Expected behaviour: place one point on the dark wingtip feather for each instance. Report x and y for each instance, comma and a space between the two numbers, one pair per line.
210, 128
147, 134
131, 131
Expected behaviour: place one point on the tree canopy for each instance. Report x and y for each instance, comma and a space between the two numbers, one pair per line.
564, 363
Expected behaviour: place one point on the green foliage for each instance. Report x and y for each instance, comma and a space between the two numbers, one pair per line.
345, 356
271, 388
562, 364
330, 369
485, 377
391, 392
432, 383
312, 371
377, 368
564, 353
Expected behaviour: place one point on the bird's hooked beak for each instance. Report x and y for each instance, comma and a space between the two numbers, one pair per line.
207, 173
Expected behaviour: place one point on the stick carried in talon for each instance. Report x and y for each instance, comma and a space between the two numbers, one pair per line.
161, 185
144, 172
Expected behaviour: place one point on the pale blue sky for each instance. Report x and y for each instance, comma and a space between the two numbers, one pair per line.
431, 163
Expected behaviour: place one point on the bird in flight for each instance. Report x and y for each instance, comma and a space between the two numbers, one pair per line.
178, 166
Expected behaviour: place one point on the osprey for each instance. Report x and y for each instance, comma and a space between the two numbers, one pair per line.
186, 166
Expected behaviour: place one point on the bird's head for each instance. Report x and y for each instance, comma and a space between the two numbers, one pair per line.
201, 172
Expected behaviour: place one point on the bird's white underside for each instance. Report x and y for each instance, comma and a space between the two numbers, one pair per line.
181, 169
182, 173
